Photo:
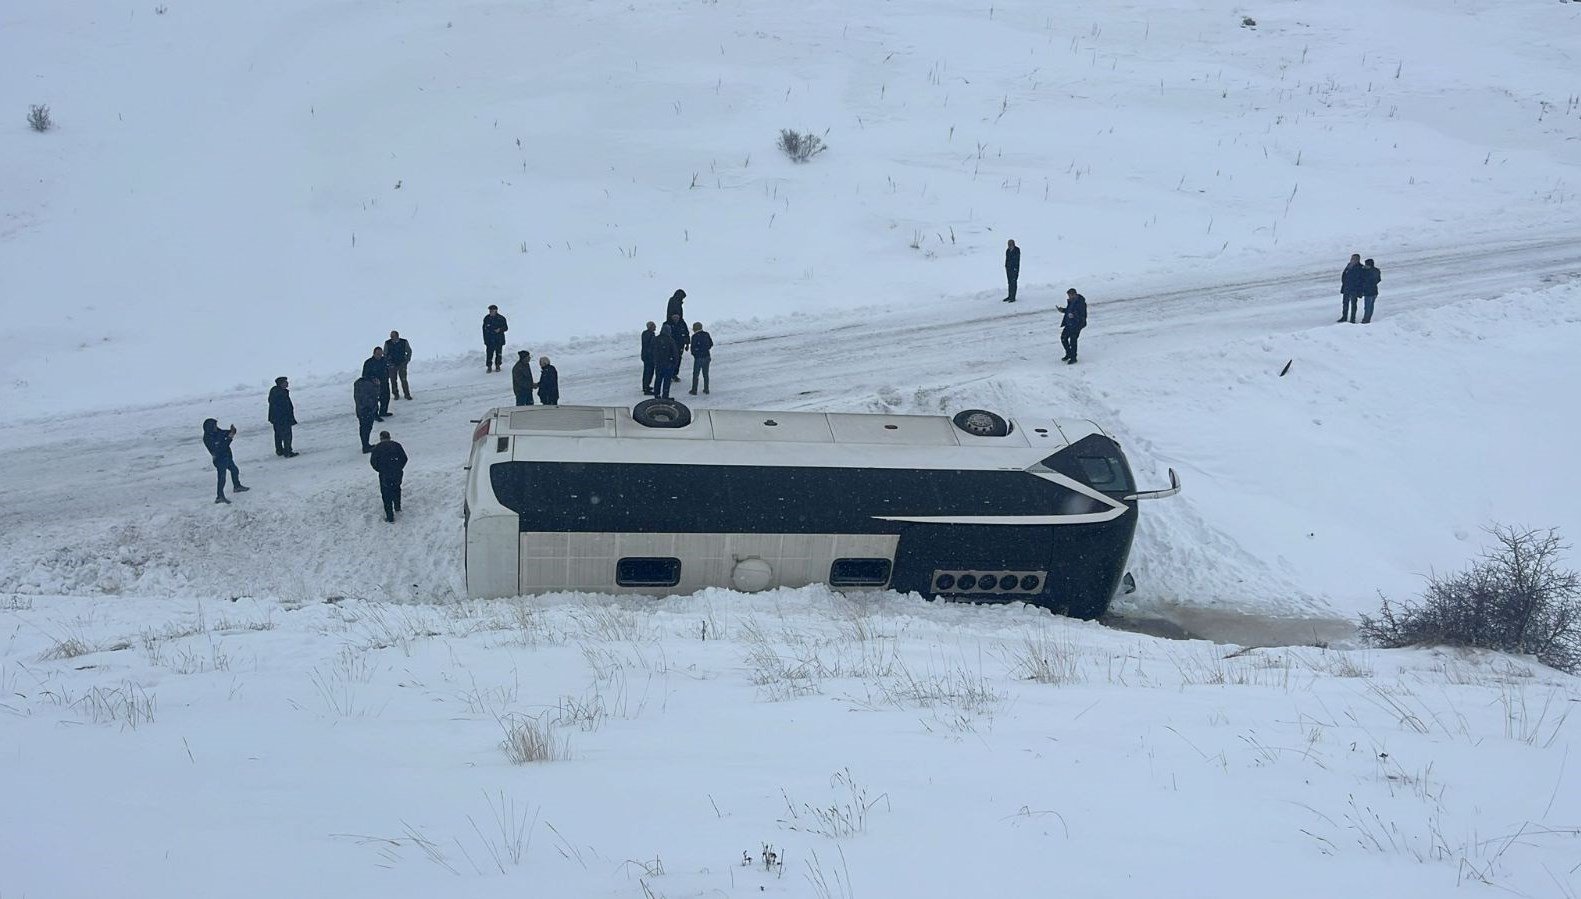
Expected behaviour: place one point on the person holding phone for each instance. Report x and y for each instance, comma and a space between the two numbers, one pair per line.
218, 443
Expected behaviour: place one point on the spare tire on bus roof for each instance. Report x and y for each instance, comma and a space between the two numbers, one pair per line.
981, 423
661, 412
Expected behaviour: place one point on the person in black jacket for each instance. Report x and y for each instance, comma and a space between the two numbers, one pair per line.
218, 443
283, 416
548, 382
647, 358
494, 328
398, 352
702, 351
376, 368
389, 460
678, 335
521, 378
1071, 323
1351, 285
365, 396
673, 307
1012, 268
1371, 276
664, 359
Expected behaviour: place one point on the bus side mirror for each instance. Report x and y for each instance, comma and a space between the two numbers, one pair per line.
1171, 490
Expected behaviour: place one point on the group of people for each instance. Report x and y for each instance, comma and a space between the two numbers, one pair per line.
663, 347
523, 383
1073, 315
1359, 281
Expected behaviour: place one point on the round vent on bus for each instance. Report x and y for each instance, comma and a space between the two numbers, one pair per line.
981, 423
661, 412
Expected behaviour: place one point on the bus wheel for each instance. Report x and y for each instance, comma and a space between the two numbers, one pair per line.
661, 413
981, 423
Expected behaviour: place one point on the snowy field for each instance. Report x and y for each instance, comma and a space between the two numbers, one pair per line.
288, 696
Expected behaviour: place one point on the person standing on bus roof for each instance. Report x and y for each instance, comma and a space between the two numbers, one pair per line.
664, 359
282, 415
647, 358
218, 443
389, 460
521, 378
1012, 268
548, 382
494, 328
398, 352
1074, 320
702, 350
375, 367
365, 397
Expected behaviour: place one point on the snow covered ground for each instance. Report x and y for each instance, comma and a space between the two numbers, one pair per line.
289, 696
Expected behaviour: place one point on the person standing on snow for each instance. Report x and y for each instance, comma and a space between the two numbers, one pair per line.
218, 443
647, 358
1012, 268
1074, 320
398, 352
548, 382
676, 327
702, 350
521, 378
376, 368
673, 307
1371, 275
389, 460
665, 355
282, 414
494, 328
1351, 285
365, 396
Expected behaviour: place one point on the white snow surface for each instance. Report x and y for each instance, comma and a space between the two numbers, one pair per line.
288, 696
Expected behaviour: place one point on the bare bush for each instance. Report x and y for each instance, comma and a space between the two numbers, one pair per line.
801, 147
1515, 599
530, 740
38, 117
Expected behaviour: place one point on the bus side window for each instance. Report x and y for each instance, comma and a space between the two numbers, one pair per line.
648, 572
859, 573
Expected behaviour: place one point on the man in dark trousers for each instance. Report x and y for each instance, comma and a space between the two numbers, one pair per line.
494, 328
647, 358
677, 328
1012, 268
1351, 283
376, 368
673, 307
521, 378
218, 443
548, 382
1371, 276
702, 350
283, 416
1075, 319
389, 460
664, 359
365, 394
398, 352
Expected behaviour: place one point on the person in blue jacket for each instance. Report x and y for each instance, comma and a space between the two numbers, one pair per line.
1071, 323
218, 443
1371, 276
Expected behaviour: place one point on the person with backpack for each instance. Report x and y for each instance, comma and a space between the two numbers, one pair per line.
389, 460
365, 398
218, 443
521, 378
1371, 276
702, 350
398, 352
282, 415
647, 358
494, 328
548, 382
1074, 319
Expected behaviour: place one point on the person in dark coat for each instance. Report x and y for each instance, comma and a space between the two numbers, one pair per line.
673, 307
389, 460
1074, 320
218, 443
1371, 276
1351, 284
283, 416
548, 382
647, 358
398, 352
521, 378
494, 328
679, 336
665, 357
365, 394
702, 351
375, 367
1012, 268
